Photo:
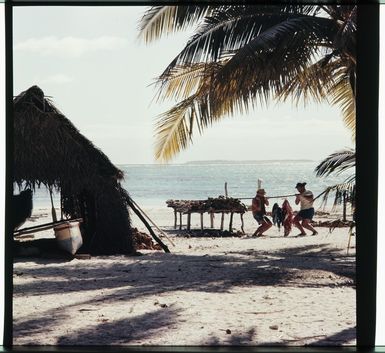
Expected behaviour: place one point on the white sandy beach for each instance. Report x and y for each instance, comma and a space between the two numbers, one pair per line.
207, 291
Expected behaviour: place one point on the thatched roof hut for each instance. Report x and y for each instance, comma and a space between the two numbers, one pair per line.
49, 150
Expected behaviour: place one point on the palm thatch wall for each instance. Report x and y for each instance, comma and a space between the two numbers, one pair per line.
50, 151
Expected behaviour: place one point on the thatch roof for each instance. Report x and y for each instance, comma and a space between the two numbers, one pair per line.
49, 150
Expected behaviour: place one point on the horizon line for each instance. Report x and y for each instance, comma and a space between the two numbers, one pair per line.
220, 161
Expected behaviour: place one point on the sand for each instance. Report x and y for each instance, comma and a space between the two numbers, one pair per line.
207, 291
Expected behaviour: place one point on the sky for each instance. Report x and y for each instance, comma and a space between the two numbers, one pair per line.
90, 61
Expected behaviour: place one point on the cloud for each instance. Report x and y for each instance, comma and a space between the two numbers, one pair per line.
56, 79
70, 46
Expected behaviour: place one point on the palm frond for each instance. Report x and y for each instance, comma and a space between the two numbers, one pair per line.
321, 81
337, 163
160, 20
345, 38
263, 67
172, 130
183, 81
220, 96
342, 94
241, 56
230, 30
309, 83
344, 191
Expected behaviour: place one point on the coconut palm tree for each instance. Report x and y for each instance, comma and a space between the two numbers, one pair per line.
337, 163
241, 56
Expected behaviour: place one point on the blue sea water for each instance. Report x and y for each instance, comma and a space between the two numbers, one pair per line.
151, 185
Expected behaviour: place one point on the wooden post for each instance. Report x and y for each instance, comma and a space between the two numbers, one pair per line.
231, 222
242, 224
175, 219
53, 211
222, 220
180, 220
188, 221
344, 207
137, 212
61, 205
201, 221
226, 194
152, 222
211, 220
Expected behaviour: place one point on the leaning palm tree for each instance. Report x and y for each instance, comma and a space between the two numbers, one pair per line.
337, 163
241, 56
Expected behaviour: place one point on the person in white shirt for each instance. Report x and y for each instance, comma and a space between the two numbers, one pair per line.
306, 213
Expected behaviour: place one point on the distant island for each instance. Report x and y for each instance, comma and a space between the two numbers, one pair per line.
224, 161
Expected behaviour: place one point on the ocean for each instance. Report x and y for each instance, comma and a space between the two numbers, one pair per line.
151, 185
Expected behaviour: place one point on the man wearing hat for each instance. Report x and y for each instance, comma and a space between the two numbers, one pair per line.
306, 213
259, 212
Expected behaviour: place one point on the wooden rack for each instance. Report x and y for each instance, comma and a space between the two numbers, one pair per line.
221, 205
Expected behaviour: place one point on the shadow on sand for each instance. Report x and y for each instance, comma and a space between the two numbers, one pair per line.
311, 266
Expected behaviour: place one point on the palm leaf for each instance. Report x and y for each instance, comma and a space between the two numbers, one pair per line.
313, 82
329, 82
172, 130
160, 20
233, 28
219, 95
183, 81
345, 190
241, 56
337, 163
263, 67
342, 95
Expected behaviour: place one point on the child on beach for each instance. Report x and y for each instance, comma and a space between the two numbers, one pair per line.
259, 212
306, 213
287, 212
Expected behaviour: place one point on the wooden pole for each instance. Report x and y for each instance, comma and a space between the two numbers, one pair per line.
226, 194
175, 219
242, 224
53, 211
152, 222
61, 205
344, 207
231, 222
222, 220
211, 220
180, 220
188, 221
137, 212
202, 221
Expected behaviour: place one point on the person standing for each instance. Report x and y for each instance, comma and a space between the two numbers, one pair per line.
258, 207
306, 213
